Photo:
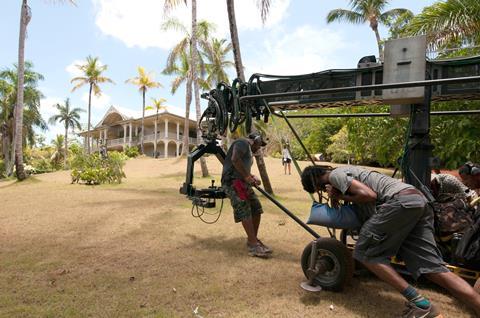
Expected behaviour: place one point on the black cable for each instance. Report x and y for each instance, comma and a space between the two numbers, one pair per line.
197, 203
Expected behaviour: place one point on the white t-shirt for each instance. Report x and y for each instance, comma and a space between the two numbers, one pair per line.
286, 154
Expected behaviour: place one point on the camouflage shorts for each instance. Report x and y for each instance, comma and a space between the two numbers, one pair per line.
243, 209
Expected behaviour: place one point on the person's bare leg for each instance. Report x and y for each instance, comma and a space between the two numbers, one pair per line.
289, 169
256, 223
458, 287
388, 275
249, 227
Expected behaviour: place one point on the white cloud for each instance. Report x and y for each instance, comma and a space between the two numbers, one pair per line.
138, 23
47, 110
99, 102
303, 50
73, 70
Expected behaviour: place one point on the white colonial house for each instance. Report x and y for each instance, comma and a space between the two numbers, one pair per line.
118, 130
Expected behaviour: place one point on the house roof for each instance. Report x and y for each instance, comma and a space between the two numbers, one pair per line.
119, 114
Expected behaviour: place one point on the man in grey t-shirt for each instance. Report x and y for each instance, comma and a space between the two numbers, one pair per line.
401, 223
237, 182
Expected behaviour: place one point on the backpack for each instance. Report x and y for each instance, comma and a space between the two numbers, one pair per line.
452, 215
467, 251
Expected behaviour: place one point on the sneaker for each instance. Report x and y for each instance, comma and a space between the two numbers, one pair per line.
268, 250
413, 311
257, 250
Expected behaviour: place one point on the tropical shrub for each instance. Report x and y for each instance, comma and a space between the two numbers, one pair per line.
2, 169
93, 169
131, 152
42, 165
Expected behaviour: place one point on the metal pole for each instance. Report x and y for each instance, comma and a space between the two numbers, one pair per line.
366, 87
290, 214
298, 138
435, 113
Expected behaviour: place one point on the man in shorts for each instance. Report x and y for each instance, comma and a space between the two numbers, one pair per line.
237, 181
401, 223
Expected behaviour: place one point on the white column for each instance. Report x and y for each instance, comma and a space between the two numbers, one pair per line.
124, 135
155, 142
166, 128
130, 135
178, 131
136, 131
166, 150
178, 149
85, 143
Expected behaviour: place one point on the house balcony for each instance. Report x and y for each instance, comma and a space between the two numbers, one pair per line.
147, 138
115, 142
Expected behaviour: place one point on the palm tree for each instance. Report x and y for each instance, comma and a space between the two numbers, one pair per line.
144, 81
6, 119
58, 151
182, 71
157, 105
25, 16
70, 118
181, 54
449, 23
264, 8
31, 116
217, 62
169, 4
92, 76
367, 11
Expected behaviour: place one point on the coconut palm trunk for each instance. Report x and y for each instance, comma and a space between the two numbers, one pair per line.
262, 169
156, 135
89, 117
186, 128
143, 126
18, 135
6, 143
193, 66
374, 27
232, 22
66, 147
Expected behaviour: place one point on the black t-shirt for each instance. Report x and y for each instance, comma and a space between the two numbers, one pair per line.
242, 147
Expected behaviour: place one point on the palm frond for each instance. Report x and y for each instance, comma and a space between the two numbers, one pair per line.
171, 4
389, 15
342, 15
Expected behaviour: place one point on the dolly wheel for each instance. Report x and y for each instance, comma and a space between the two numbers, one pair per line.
334, 261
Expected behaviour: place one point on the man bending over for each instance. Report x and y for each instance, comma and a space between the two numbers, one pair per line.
401, 224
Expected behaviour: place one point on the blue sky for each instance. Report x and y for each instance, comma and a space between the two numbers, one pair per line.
125, 34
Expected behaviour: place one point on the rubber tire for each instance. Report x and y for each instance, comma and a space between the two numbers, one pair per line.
343, 258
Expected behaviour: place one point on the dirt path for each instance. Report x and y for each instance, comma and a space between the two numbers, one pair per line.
134, 250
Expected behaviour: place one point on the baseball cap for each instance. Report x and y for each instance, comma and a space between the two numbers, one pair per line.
257, 138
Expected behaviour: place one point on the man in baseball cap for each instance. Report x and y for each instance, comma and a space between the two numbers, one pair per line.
237, 181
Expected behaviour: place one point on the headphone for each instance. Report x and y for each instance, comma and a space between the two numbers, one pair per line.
257, 138
470, 169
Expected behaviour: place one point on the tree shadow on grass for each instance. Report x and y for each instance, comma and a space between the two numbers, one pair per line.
367, 296
360, 298
236, 247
